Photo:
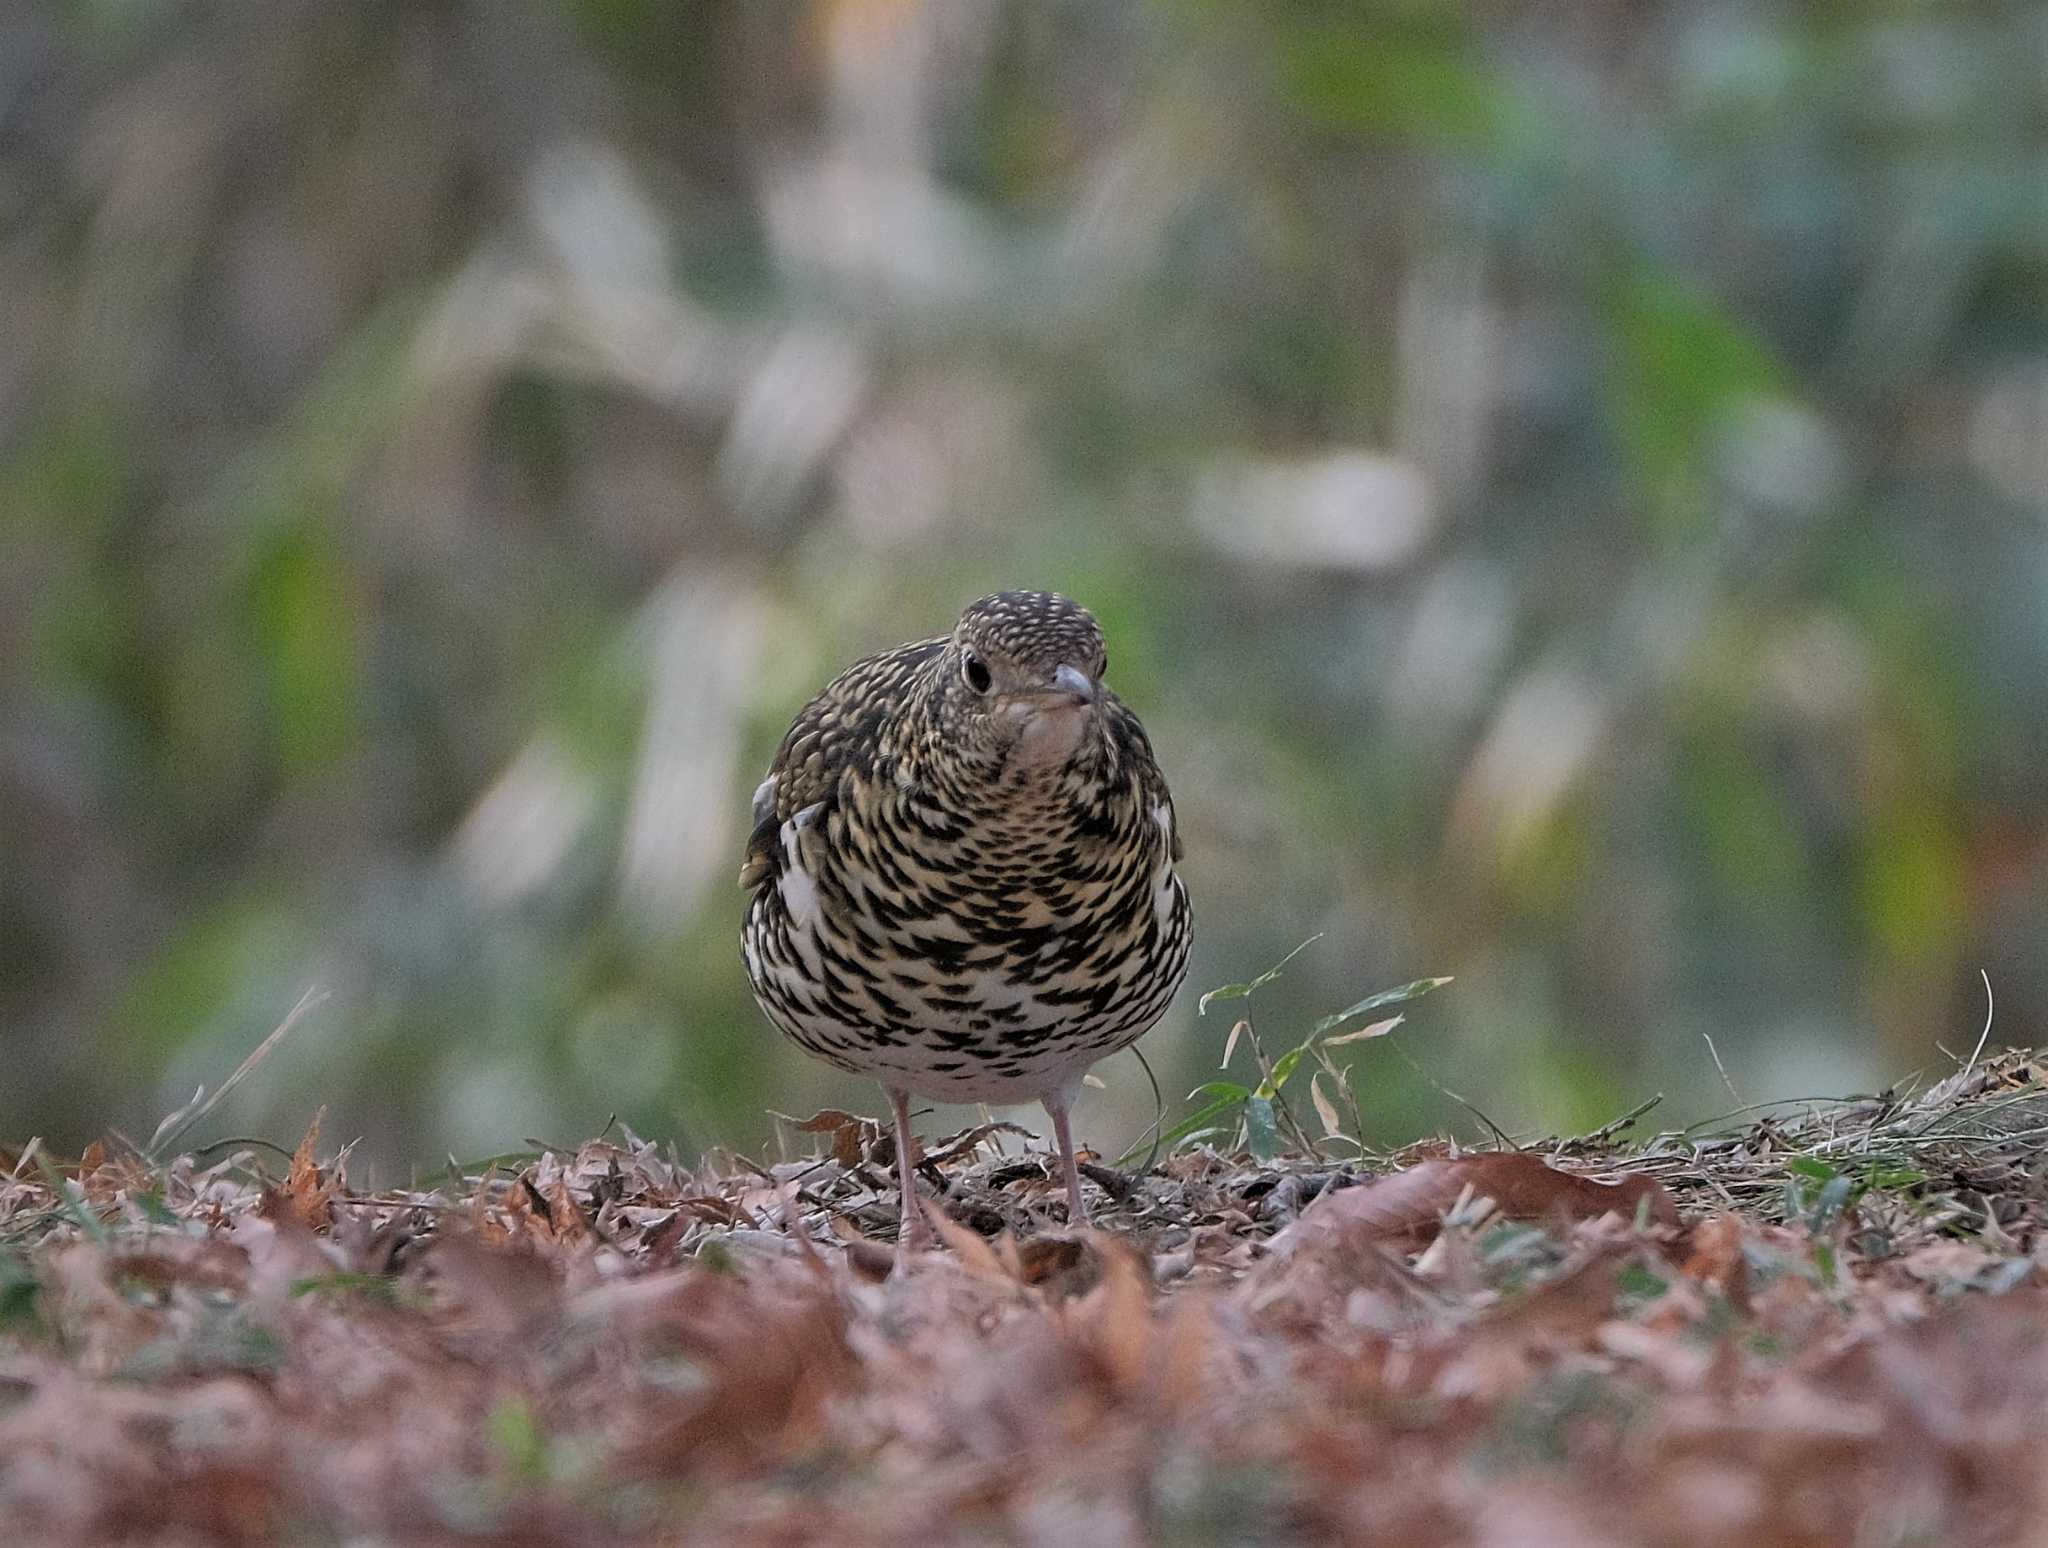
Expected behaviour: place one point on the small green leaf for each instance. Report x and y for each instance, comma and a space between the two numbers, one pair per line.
515, 1434
371, 1287
1836, 1194
1198, 1121
1245, 991
1507, 1243
1227, 992
1261, 1131
1638, 1283
1812, 1166
1380, 1001
1284, 1067
155, 1210
1886, 1176
717, 1257
1824, 1260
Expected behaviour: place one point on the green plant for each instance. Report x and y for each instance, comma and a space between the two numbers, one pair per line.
1259, 1114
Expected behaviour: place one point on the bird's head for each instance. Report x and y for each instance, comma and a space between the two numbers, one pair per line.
1021, 678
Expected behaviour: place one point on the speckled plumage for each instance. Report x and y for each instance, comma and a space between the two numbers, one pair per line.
962, 867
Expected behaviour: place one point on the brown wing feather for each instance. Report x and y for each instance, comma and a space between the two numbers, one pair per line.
1137, 749
836, 730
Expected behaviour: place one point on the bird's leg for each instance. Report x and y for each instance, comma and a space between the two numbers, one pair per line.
913, 1231
1056, 1105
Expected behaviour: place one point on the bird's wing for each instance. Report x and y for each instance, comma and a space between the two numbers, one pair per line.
842, 728
1136, 747
758, 863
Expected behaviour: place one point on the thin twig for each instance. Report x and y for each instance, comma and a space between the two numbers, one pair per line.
182, 1122
1716, 1053
1158, 1110
28, 1154
1981, 1036
239, 1141
1269, 1083
1445, 1091
1717, 1119
1613, 1126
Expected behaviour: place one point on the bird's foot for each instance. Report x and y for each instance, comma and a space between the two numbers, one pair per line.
914, 1233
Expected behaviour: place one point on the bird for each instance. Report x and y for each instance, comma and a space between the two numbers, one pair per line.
963, 873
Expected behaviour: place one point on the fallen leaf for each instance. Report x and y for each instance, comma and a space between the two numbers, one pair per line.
571, 1224
1110, 1325
1717, 1258
850, 1132
307, 1196
1044, 1258
1948, 1263
975, 1254
968, 1140
1406, 1207
504, 1289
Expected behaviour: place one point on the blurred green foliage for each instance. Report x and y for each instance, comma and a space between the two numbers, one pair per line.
1565, 487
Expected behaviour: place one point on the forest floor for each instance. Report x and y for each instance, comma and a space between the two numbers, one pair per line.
1819, 1323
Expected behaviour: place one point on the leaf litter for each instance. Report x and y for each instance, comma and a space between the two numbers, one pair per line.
1815, 1323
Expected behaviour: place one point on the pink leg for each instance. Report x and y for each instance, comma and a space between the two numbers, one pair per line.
913, 1231
1077, 1209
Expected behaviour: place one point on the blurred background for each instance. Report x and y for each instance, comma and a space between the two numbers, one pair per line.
1564, 484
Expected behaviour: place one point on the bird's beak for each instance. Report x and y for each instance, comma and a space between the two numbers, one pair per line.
1075, 682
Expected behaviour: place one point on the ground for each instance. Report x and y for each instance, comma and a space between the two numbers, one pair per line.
1821, 1324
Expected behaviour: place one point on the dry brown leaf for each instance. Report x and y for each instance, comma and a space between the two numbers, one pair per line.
1573, 1388
1406, 1206
1186, 1342
1717, 1258
850, 1132
308, 1193
483, 1220
505, 1289
968, 1140
974, 1253
1375, 1029
1230, 1042
793, 1225
826, 1120
773, 1351
1043, 1258
871, 1260
526, 1211
566, 1217
1113, 1322
1948, 1262
1326, 1110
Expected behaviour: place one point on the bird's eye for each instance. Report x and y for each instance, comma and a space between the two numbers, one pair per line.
975, 670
